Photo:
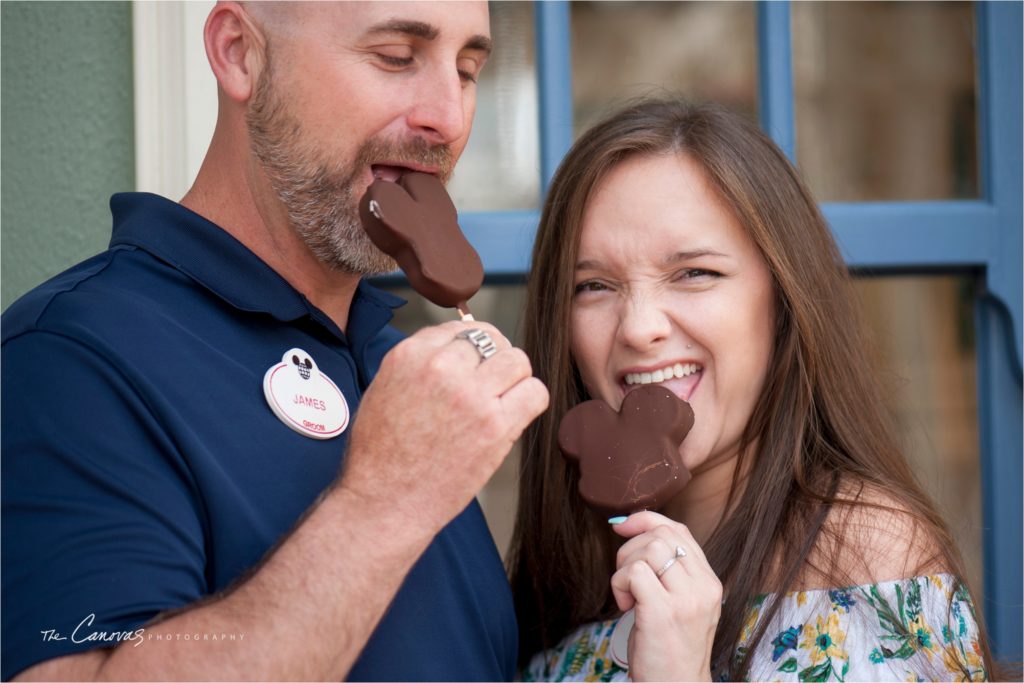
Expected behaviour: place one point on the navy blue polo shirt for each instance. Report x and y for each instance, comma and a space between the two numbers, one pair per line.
143, 468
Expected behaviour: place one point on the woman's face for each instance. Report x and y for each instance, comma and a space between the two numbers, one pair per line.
670, 289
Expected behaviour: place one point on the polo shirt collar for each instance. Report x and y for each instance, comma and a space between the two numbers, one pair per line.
215, 259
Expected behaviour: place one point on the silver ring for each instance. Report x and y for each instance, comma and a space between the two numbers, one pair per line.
665, 567
680, 552
481, 341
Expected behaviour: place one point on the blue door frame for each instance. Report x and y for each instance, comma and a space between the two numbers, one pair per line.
982, 236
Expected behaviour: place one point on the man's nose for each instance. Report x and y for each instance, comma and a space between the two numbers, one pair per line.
643, 324
439, 112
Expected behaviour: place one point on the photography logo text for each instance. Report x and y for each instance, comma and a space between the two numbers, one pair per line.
85, 633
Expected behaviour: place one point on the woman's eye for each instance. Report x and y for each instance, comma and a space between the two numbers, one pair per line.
590, 286
696, 274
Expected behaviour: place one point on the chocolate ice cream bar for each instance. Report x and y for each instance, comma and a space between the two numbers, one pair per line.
414, 221
629, 460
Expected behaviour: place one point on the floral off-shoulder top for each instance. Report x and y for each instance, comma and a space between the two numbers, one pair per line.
905, 630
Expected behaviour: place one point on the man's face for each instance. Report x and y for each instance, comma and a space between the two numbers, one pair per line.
350, 92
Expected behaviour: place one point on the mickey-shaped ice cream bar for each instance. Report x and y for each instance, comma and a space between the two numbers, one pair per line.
629, 460
414, 221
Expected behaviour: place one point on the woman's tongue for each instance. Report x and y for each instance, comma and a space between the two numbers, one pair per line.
683, 387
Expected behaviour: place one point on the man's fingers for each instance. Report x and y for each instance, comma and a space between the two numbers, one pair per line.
524, 402
447, 333
502, 371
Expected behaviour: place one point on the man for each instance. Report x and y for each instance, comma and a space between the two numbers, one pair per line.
152, 466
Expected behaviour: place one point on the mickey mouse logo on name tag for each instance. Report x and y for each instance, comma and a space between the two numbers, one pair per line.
304, 398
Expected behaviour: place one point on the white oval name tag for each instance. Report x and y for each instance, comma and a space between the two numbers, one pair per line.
304, 398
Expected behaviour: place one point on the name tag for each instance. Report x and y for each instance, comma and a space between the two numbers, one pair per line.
304, 398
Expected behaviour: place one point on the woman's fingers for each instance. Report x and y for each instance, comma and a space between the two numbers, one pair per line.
645, 526
662, 560
637, 584
657, 553
663, 575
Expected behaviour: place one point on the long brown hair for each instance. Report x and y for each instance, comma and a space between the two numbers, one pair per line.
821, 433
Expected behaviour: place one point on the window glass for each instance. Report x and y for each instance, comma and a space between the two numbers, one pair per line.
623, 50
925, 353
500, 168
886, 99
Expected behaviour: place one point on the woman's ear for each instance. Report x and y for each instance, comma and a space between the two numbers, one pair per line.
235, 48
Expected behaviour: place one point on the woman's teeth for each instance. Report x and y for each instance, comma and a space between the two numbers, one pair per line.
670, 372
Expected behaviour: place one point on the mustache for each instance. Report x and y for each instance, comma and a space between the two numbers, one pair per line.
412, 152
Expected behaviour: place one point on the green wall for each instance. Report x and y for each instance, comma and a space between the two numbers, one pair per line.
66, 132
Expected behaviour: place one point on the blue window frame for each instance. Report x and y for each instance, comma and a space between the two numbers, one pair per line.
982, 236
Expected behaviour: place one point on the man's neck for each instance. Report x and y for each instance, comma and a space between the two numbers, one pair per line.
247, 208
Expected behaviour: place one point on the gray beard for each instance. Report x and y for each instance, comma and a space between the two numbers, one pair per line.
324, 212
320, 199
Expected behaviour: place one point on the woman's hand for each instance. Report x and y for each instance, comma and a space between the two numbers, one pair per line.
676, 613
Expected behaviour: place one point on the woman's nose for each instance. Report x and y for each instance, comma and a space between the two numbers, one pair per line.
643, 323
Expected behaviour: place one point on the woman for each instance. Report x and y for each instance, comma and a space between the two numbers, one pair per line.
678, 245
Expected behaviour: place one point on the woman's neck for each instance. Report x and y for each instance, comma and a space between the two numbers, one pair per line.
701, 505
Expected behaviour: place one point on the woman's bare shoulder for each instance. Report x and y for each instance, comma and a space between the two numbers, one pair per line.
874, 537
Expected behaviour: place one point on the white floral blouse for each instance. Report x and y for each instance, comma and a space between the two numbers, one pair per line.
905, 630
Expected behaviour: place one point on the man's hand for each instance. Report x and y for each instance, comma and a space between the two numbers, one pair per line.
437, 422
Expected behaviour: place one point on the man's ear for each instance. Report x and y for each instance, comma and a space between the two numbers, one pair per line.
235, 48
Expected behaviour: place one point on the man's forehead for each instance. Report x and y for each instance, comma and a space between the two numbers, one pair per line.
466, 24
430, 19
